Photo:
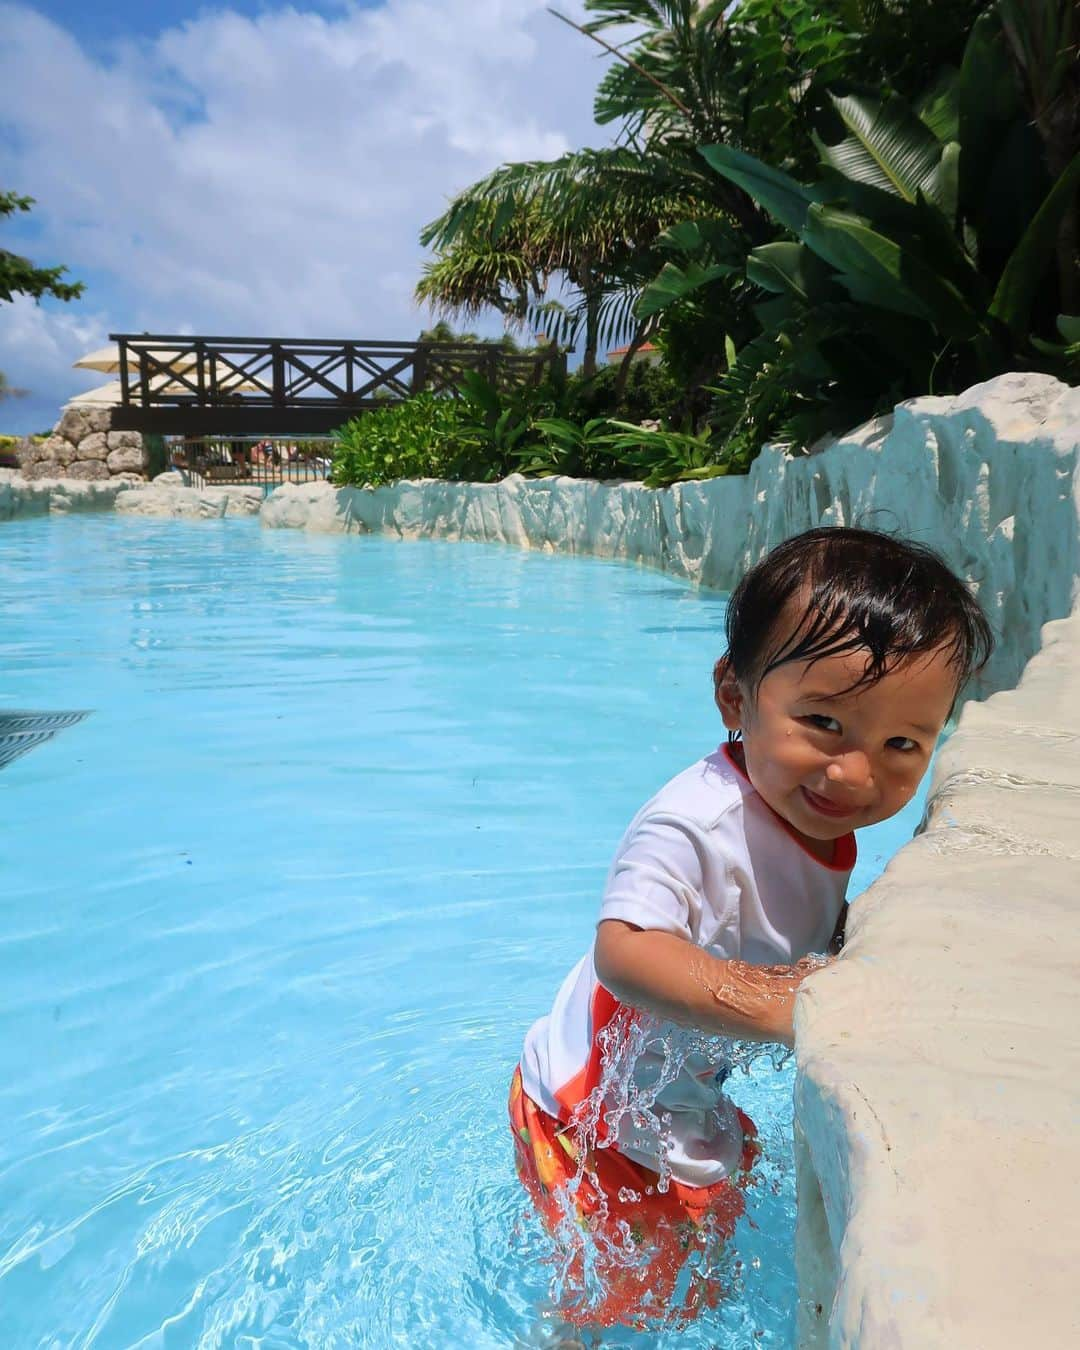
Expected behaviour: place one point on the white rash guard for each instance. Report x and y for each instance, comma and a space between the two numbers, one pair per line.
707, 860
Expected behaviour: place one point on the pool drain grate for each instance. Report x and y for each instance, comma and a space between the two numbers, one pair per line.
21, 730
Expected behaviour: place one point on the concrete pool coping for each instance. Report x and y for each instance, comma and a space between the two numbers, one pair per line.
935, 1106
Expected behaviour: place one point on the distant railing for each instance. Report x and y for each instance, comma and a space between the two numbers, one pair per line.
250, 386
250, 461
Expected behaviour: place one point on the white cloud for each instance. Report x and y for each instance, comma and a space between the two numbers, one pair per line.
270, 174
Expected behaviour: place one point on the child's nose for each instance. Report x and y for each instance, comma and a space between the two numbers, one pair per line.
853, 769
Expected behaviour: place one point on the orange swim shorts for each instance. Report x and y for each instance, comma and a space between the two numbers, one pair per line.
614, 1197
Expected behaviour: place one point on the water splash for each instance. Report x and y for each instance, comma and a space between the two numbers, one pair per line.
591, 1257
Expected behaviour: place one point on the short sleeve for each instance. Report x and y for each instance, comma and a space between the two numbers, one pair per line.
657, 879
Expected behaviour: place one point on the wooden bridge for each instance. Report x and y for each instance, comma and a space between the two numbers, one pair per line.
200, 386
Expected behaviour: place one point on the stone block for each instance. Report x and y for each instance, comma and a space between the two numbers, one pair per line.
24, 451
79, 422
87, 469
51, 448
128, 459
46, 468
124, 440
94, 446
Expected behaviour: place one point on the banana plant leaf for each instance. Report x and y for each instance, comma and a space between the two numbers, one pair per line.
692, 237
990, 103
675, 283
939, 106
889, 148
878, 271
785, 199
789, 269
1068, 325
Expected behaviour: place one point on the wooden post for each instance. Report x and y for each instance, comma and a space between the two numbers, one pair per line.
125, 393
278, 375
420, 367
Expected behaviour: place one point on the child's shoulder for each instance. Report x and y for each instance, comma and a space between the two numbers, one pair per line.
702, 793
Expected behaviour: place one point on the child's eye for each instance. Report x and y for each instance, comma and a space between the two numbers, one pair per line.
825, 723
904, 743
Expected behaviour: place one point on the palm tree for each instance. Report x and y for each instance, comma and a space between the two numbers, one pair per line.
594, 219
587, 218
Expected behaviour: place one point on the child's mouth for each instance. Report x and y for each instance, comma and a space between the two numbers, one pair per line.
824, 807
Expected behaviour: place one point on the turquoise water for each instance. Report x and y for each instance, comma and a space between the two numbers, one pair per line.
275, 917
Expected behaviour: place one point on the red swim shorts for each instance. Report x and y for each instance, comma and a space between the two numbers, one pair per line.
614, 1191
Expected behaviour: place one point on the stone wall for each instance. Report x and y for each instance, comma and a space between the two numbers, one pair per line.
81, 446
986, 477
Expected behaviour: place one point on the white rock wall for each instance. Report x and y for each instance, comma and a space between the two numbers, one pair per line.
39, 497
188, 503
987, 478
936, 1104
166, 498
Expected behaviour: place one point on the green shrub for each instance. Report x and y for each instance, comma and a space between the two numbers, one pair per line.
420, 437
578, 451
660, 458
650, 393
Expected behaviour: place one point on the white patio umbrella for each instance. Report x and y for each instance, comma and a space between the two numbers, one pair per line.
104, 396
111, 394
107, 359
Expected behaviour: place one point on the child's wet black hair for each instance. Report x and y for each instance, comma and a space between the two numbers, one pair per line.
837, 590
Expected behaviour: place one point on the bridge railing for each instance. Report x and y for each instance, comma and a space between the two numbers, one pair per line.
203, 385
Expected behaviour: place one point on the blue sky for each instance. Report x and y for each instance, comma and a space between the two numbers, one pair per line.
108, 21
257, 168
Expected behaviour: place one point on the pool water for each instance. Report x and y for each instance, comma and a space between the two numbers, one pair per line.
275, 917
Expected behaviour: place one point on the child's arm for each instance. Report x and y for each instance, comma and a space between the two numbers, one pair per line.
678, 981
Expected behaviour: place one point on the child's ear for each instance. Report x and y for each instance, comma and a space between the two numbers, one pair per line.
729, 697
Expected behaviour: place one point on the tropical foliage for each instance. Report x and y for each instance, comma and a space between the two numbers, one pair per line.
485, 433
936, 248
413, 438
812, 210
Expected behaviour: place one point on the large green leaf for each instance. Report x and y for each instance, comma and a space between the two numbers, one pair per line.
1068, 326
939, 106
879, 271
888, 148
785, 199
1034, 254
933, 239
676, 283
947, 181
989, 104
788, 269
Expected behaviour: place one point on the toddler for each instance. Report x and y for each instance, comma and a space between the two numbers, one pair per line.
846, 652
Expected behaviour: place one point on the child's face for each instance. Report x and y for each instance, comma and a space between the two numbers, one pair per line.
830, 762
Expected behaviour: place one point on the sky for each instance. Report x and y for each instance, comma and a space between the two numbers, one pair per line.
254, 168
